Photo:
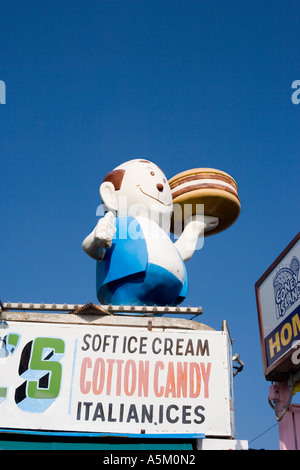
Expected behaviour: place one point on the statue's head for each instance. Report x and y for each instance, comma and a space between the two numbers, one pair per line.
138, 188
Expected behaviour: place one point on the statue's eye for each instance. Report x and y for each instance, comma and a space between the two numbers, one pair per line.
164, 180
152, 173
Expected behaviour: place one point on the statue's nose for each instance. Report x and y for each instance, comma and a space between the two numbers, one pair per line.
160, 187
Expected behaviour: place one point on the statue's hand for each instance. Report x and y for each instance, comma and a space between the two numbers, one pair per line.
195, 226
105, 230
200, 223
210, 223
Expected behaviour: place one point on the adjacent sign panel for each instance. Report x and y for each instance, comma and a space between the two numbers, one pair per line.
120, 380
278, 304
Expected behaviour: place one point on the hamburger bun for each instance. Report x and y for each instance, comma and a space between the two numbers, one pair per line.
215, 189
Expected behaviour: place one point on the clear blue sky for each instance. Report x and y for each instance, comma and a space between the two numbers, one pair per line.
186, 83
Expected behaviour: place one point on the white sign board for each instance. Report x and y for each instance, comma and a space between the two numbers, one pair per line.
115, 380
278, 303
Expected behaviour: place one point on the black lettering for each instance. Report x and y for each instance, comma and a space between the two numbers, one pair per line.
99, 413
133, 350
185, 414
147, 413
105, 342
96, 343
115, 343
179, 347
200, 415
110, 418
143, 345
168, 414
154, 350
168, 346
161, 416
121, 412
189, 348
78, 411
86, 343
132, 414
87, 405
201, 350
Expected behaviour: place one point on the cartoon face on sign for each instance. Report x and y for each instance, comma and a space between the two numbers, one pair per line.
286, 287
137, 263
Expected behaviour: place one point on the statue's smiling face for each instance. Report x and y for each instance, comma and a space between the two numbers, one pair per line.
145, 185
154, 184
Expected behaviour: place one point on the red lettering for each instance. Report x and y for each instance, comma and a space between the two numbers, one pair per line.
182, 370
85, 386
158, 392
98, 378
170, 382
195, 380
130, 371
143, 378
119, 376
109, 375
205, 375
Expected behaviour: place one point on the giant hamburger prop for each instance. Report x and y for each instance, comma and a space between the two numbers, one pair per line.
216, 190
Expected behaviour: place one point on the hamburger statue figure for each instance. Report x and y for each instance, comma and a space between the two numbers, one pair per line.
137, 262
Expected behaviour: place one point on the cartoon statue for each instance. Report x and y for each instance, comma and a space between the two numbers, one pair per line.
137, 262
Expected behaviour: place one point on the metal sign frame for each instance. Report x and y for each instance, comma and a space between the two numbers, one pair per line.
279, 366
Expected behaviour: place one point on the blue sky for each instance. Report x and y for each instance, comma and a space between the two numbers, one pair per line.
194, 83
